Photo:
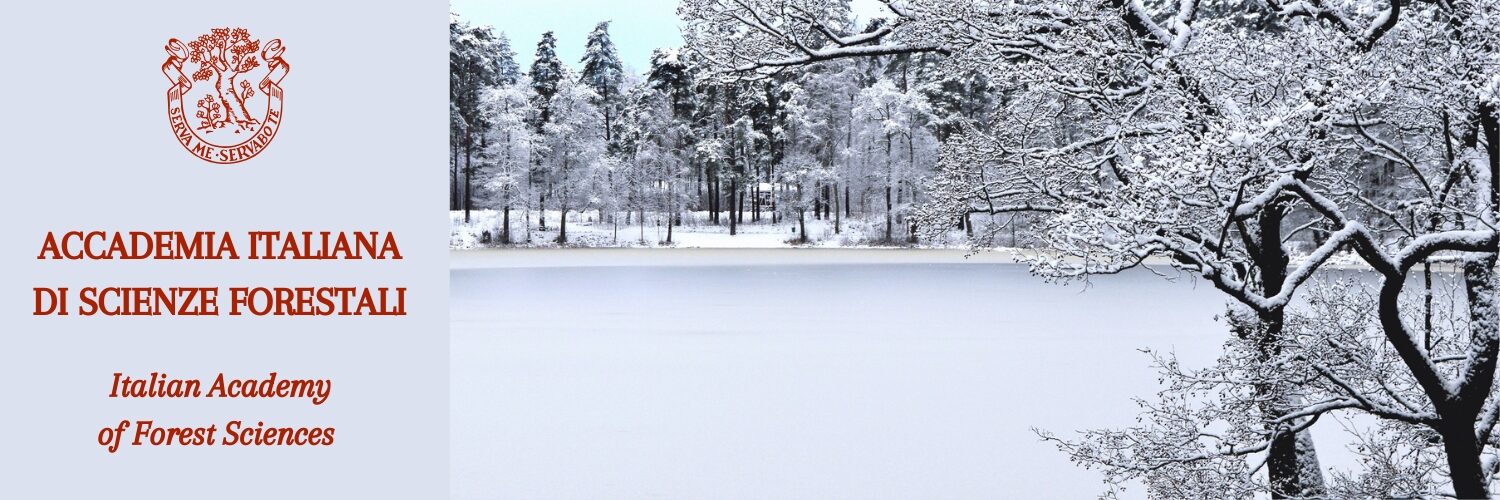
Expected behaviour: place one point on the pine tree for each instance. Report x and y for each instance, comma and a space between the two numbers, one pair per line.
546, 72
603, 73
670, 75
507, 70
473, 53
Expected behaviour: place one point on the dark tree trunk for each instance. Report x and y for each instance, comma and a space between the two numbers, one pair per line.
818, 206
837, 228
755, 202
827, 207
1292, 462
468, 178
802, 225
453, 174
505, 226
1459, 414
733, 221
848, 207
1464, 467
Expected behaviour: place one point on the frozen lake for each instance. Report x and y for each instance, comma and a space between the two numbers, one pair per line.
884, 379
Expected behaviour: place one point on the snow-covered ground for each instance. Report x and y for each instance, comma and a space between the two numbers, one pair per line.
697, 233
786, 374
585, 230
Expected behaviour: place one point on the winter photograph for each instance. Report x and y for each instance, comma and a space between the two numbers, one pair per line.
974, 249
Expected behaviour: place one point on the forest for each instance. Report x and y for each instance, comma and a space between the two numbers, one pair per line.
841, 144
1331, 168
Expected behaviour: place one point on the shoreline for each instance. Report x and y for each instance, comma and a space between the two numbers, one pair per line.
502, 258
533, 257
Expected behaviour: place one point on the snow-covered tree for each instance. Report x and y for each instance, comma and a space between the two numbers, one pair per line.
477, 59
1131, 132
650, 143
571, 148
510, 139
507, 70
895, 122
832, 92
603, 72
546, 74
673, 82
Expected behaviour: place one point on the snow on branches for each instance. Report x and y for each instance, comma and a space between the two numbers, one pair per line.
1250, 151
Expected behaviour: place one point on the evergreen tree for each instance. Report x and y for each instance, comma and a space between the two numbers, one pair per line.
603, 73
546, 70
473, 55
669, 74
507, 70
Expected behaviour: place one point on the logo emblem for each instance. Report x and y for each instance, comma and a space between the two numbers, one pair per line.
233, 94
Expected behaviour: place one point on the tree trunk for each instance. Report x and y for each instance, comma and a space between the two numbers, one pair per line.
755, 202
1459, 439
888, 221
802, 225
1292, 461
848, 207
837, 228
827, 205
1464, 467
733, 221
562, 228
239, 101
505, 227
737, 201
713, 200
468, 178
226, 99
541, 212
818, 204
453, 174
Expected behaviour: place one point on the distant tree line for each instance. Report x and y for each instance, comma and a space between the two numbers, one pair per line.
853, 138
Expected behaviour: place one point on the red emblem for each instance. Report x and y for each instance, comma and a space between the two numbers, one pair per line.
233, 119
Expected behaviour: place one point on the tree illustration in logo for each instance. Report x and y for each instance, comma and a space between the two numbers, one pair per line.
223, 55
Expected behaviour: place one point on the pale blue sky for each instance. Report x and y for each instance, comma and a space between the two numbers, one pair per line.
638, 27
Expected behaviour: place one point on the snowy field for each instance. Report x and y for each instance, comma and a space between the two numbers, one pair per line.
906, 374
